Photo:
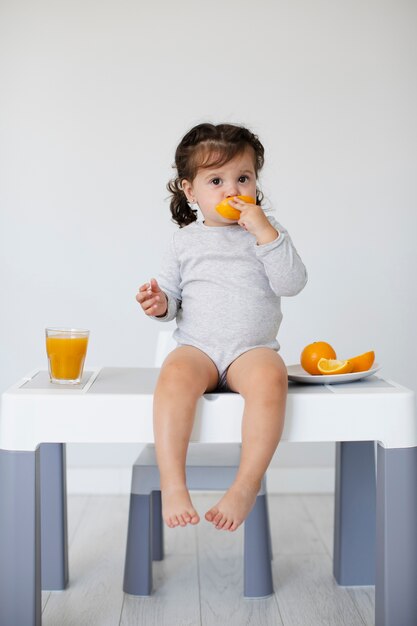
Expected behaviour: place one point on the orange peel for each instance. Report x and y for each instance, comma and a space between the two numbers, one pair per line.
363, 362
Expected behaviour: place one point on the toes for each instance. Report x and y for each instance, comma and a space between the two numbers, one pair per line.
216, 519
222, 523
171, 521
182, 519
210, 514
190, 517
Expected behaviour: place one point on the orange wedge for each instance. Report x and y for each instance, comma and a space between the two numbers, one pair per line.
334, 366
228, 211
363, 362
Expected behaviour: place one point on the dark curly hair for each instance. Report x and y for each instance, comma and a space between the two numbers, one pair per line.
208, 145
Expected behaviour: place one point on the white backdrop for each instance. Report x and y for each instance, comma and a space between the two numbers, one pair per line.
94, 99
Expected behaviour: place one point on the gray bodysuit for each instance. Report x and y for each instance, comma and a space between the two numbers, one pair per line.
225, 290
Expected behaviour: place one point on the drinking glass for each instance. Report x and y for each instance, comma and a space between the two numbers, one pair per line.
66, 349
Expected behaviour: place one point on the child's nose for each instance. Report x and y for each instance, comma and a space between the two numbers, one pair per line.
232, 191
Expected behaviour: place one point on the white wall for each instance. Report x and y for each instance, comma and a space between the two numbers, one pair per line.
94, 98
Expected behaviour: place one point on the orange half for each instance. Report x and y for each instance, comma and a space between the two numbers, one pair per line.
363, 362
334, 366
228, 211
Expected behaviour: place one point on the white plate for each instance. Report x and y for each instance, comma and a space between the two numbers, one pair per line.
297, 374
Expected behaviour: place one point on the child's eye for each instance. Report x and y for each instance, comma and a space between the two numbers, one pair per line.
216, 181
243, 179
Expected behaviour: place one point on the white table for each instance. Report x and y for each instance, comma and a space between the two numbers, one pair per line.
375, 516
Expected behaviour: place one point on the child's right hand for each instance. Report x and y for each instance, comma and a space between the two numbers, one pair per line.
152, 299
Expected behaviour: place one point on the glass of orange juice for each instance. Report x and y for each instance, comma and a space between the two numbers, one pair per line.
66, 349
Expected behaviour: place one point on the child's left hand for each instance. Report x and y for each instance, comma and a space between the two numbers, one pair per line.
253, 219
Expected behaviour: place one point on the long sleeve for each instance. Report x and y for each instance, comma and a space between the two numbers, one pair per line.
169, 281
285, 270
224, 291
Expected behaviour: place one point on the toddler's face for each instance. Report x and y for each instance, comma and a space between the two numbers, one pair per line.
211, 185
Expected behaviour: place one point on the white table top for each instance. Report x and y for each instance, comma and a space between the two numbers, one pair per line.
114, 405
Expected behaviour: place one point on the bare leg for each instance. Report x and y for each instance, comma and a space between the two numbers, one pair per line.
260, 376
185, 375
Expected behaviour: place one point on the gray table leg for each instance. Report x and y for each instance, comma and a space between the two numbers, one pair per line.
396, 536
20, 563
138, 561
157, 527
53, 516
355, 514
257, 571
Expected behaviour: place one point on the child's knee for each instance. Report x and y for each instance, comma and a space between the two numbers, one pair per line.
176, 376
269, 375
180, 374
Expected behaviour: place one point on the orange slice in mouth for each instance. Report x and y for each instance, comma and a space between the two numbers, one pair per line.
228, 211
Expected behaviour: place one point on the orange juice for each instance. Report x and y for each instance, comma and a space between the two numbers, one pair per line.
66, 355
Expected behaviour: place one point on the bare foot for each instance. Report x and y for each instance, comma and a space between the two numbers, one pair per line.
177, 508
234, 507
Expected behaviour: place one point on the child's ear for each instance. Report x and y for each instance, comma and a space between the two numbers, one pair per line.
188, 190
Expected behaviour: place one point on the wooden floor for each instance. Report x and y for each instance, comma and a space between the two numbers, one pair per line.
199, 583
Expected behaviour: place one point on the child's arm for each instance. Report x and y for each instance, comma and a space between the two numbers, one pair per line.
286, 272
162, 299
274, 248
